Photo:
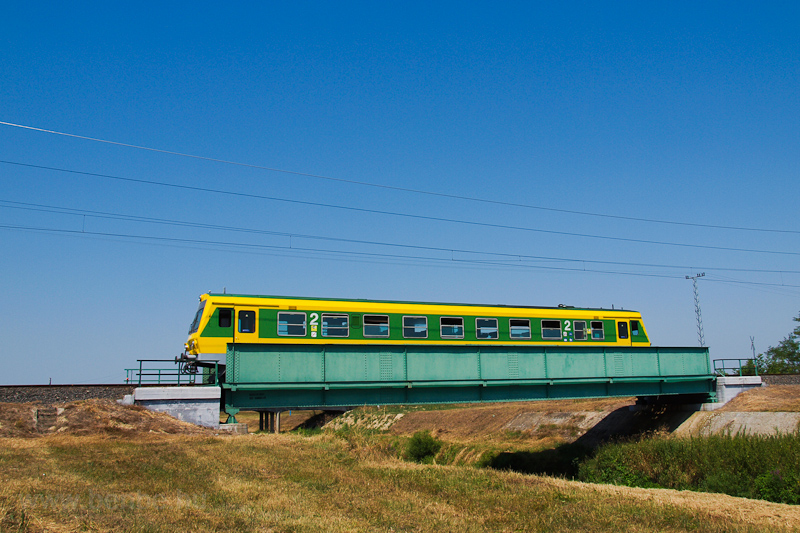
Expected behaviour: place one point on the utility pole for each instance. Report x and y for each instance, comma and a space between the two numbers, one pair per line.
700, 335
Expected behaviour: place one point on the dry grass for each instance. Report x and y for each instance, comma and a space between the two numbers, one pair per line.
115, 468
322, 483
720, 506
775, 398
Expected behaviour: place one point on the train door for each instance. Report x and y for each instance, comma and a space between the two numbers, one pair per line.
623, 334
246, 325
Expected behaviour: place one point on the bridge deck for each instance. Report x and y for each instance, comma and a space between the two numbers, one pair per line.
270, 377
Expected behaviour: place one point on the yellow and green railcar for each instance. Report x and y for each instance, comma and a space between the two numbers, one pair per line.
224, 319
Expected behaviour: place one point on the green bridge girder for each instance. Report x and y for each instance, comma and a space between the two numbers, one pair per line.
281, 377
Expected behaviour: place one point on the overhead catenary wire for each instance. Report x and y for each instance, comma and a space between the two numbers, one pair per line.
399, 214
295, 248
400, 189
506, 255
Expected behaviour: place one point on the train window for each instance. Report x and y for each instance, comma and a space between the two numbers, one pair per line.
415, 327
225, 317
597, 331
376, 325
247, 321
622, 328
519, 328
292, 324
335, 325
634, 328
551, 329
196, 322
486, 328
580, 330
451, 327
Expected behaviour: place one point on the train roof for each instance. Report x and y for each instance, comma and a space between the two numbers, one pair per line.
402, 302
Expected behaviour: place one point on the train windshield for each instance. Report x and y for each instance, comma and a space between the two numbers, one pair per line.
196, 321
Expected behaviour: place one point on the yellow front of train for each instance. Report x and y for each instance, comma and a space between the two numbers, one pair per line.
196, 346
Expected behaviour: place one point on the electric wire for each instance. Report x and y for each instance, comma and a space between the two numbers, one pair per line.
401, 189
773, 288
371, 255
509, 256
400, 214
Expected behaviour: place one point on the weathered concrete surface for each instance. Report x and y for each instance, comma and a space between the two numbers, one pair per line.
580, 421
234, 429
703, 423
729, 387
198, 405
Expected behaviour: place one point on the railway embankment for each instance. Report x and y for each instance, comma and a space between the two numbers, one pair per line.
774, 408
781, 379
49, 394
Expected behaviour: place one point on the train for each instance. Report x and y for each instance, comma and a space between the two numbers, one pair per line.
231, 319
278, 353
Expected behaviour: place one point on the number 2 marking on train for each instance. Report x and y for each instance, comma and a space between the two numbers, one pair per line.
567, 326
314, 319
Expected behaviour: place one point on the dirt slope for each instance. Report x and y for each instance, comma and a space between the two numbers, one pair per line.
589, 420
567, 418
87, 417
774, 398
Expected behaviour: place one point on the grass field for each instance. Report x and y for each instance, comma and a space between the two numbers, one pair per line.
323, 482
104, 467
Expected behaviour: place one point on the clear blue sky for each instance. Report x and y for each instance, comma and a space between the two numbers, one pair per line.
679, 112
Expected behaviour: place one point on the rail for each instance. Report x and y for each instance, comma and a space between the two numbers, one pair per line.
736, 367
184, 374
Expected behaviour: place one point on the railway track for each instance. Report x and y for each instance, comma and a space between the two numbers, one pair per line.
62, 393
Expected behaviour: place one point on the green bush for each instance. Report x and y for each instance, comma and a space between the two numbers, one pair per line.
422, 447
778, 487
762, 467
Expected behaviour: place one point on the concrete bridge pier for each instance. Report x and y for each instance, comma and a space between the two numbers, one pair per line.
198, 405
728, 387
269, 421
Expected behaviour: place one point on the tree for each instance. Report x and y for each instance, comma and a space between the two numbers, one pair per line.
783, 358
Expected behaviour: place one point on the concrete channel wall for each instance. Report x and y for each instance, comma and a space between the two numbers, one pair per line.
704, 424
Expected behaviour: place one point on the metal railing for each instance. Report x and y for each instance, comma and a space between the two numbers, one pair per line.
736, 367
180, 373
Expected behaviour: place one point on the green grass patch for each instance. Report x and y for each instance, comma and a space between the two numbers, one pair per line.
422, 447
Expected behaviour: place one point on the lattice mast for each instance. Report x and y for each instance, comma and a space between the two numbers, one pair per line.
701, 337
